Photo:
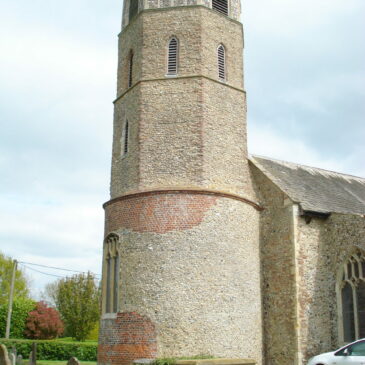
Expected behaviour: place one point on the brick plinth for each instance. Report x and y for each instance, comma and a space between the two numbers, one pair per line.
125, 338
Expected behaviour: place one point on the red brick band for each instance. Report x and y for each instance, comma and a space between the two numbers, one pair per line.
158, 213
162, 211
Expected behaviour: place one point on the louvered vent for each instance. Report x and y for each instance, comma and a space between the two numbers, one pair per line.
221, 6
221, 63
172, 59
130, 75
133, 9
125, 139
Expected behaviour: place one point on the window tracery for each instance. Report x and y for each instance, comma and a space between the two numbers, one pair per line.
111, 274
351, 297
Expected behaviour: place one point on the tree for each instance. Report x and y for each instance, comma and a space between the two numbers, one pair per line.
21, 289
77, 300
21, 308
49, 295
43, 323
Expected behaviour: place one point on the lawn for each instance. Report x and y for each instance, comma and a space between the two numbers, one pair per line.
51, 362
70, 339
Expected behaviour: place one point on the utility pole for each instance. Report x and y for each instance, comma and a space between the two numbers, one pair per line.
11, 295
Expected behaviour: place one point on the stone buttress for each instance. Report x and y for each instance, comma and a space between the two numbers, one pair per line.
181, 270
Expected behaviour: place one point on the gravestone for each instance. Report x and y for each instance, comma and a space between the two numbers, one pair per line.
73, 361
33, 355
19, 360
4, 358
12, 359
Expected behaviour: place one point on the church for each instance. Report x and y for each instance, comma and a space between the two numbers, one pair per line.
209, 250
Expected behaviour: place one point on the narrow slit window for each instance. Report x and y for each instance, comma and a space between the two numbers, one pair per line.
221, 6
130, 71
221, 63
125, 139
116, 282
172, 57
108, 284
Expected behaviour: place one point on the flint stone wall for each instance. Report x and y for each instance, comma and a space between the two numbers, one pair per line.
324, 245
200, 285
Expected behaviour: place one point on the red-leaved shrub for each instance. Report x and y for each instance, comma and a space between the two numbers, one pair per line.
43, 323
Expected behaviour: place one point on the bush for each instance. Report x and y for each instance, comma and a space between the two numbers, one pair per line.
54, 350
43, 323
21, 308
94, 333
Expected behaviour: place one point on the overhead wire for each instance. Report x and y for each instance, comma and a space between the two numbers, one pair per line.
25, 264
41, 272
53, 267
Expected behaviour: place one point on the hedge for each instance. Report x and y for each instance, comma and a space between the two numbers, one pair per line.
53, 350
21, 308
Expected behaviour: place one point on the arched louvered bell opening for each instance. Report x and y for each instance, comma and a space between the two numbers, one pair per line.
221, 63
172, 57
220, 6
130, 74
125, 138
133, 9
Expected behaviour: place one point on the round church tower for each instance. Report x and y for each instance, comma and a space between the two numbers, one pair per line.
181, 269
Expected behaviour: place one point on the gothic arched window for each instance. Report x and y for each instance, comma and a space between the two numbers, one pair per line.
130, 70
351, 296
124, 145
111, 274
221, 53
220, 6
173, 54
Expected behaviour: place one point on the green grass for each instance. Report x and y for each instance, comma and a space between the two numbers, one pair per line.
70, 339
51, 362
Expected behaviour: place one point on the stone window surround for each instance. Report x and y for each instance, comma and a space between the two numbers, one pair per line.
110, 252
359, 255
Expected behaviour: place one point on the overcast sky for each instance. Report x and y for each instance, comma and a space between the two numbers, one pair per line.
304, 76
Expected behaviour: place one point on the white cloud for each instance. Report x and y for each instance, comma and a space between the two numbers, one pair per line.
57, 81
264, 141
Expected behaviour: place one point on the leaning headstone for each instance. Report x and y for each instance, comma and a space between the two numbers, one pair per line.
4, 358
12, 359
33, 357
19, 360
30, 358
73, 361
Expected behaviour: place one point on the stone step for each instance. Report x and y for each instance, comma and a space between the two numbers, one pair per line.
217, 362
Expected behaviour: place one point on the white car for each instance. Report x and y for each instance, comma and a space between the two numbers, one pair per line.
351, 354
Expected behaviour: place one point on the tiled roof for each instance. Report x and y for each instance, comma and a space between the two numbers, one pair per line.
316, 190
